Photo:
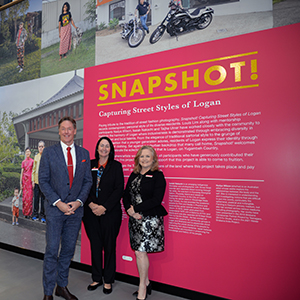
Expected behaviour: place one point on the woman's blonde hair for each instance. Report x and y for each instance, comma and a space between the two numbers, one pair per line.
137, 167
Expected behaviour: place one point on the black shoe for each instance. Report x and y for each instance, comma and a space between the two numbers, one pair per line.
93, 287
148, 31
149, 290
48, 297
107, 291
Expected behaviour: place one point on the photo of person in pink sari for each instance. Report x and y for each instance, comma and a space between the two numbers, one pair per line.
65, 30
26, 183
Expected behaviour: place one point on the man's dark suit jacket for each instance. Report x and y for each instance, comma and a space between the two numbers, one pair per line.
54, 178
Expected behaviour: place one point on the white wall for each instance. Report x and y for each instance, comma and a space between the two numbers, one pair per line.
243, 6
103, 11
130, 5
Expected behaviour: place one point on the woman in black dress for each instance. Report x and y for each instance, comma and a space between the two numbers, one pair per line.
142, 200
103, 215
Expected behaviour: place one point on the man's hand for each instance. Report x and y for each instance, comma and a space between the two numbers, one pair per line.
74, 205
68, 208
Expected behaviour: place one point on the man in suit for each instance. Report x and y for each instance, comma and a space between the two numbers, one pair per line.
65, 180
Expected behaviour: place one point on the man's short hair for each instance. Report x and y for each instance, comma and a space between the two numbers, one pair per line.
67, 118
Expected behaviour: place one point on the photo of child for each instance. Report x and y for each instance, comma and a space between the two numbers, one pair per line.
15, 206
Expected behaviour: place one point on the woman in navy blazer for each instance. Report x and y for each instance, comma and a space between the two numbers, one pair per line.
142, 200
103, 215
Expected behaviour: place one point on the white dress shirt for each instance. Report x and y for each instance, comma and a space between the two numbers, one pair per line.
65, 152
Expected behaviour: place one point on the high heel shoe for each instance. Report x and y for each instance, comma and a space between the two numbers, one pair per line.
149, 290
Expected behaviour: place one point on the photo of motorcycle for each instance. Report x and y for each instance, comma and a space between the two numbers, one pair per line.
133, 32
179, 20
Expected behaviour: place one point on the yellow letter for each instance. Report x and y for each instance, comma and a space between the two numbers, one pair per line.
115, 88
153, 82
222, 77
137, 88
254, 69
171, 81
237, 70
194, 78
103, 92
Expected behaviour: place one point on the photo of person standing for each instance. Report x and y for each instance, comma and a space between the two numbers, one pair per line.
15, 206
143, 8
65, 30
20, 43
26, 183
37, 213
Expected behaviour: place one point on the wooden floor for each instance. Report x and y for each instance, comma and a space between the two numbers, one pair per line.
21, 279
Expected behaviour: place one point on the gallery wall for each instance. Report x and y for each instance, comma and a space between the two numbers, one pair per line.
221, 108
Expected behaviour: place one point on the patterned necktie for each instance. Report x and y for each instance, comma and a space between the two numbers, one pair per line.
70, 166
99, 174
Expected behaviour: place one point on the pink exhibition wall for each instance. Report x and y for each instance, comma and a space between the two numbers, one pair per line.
224, 117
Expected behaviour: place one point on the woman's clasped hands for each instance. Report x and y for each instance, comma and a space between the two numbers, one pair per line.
98, 210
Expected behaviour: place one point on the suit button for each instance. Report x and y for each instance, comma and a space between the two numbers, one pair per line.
69, 194
68, 183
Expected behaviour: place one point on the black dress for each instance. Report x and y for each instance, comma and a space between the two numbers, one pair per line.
147, 234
